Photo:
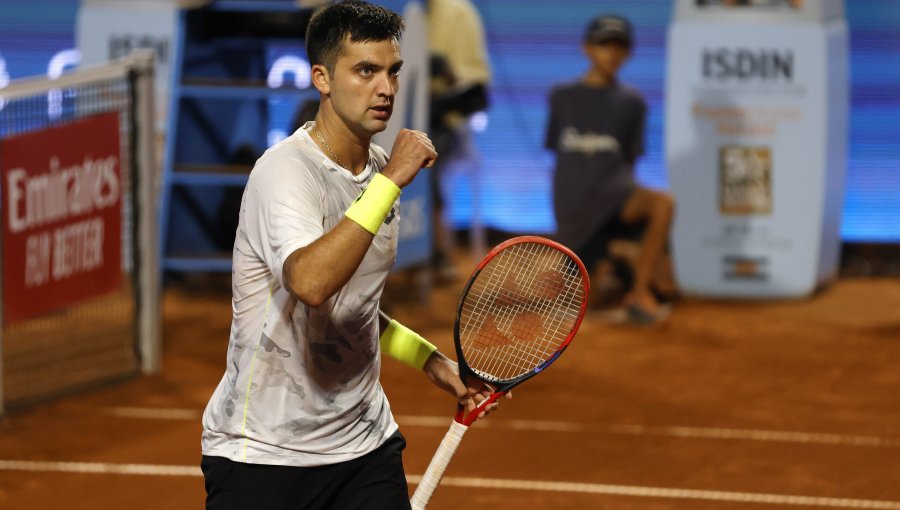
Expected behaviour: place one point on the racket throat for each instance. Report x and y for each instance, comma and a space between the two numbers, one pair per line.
469, 419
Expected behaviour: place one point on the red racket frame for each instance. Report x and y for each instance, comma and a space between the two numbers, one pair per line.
503, 388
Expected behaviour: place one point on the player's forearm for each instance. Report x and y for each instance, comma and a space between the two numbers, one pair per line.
318, 271
438, 364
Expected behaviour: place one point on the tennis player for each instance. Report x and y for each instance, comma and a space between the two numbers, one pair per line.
299, 420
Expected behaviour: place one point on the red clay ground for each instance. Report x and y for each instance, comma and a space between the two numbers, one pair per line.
728, 405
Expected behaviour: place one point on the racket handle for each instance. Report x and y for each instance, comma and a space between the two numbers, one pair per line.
439, 462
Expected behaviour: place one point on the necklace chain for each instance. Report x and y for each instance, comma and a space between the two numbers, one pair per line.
331, 152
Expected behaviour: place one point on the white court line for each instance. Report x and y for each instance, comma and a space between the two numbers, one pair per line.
99, 468
487, 483
662, 492
154, 413
778, 436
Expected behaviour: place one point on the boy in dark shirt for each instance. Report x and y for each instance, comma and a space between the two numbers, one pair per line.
596, 129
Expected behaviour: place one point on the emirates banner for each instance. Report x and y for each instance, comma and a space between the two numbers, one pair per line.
62, 215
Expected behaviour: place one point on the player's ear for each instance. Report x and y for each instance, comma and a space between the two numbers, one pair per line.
321, 79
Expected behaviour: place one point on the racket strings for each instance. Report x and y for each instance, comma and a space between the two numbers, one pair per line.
520, 310
515, 356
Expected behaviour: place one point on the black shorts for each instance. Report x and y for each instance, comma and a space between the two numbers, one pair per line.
597, 247
446, 143
374, 481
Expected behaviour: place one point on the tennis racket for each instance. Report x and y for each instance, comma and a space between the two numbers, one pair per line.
518, 312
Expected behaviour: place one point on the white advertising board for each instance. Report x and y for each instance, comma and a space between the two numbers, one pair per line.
756, 136
110, 29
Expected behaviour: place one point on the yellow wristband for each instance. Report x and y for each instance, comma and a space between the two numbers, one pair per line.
372, 206
404, 344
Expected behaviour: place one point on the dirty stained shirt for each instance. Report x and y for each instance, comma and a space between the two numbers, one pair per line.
301, 386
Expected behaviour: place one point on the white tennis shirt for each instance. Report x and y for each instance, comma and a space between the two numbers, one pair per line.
301, 386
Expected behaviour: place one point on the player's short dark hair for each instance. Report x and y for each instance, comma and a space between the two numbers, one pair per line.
361, 21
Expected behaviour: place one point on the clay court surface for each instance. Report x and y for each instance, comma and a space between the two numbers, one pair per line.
728, 405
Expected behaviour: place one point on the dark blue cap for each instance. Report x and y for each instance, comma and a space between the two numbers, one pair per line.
609, 27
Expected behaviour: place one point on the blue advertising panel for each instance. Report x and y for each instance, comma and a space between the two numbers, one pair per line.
535, 44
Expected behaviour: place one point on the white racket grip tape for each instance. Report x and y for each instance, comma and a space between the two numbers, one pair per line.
439, 462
